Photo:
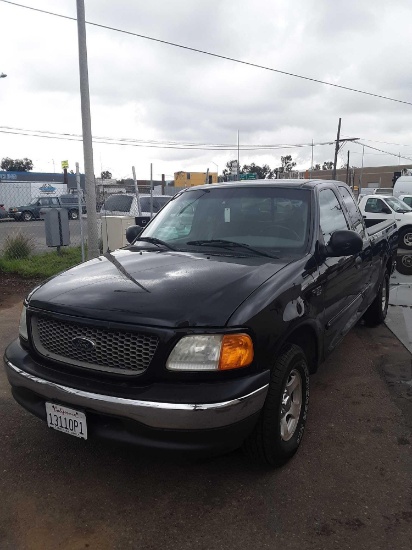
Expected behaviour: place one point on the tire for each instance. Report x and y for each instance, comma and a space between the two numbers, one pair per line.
73, 214
278, 432
405, 238
376, 312
27, 216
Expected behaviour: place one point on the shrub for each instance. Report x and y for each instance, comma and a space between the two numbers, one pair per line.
17, 246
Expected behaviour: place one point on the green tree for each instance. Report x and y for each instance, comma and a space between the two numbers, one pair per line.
16, 165
327, 165
106, 175
263, 172
287, 164
315, 167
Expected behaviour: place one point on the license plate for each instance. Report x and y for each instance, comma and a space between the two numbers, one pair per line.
66, 420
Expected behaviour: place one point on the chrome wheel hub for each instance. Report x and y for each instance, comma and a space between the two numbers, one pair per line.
407, 239
291, 405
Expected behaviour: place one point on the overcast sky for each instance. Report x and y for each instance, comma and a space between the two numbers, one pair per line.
150, 91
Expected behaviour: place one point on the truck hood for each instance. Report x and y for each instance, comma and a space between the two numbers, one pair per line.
158, 288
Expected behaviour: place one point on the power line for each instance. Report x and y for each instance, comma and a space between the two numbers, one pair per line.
381, 151
219, 56
153, 143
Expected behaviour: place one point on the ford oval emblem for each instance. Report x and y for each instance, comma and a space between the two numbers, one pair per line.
83, 344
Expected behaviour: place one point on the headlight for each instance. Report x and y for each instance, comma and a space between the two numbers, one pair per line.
211, 352
23, 324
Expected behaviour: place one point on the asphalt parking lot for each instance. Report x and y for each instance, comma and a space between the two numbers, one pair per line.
348, 487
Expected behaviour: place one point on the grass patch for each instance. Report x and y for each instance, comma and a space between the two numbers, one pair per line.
42, 265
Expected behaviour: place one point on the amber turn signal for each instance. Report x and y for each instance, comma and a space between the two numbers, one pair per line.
236, 351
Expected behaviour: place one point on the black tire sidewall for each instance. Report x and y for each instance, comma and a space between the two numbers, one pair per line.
277, 450
30, 216
385, 283
73, 215
402, 237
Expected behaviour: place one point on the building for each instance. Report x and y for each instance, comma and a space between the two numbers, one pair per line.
190, 179
361, 178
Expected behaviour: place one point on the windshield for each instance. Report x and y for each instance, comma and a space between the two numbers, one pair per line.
397, 205
271, 220
408, 201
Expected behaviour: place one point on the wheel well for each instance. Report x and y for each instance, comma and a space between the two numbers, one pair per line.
407, 227
306, 338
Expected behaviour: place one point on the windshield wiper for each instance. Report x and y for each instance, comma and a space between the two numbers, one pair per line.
229, 244
154, 240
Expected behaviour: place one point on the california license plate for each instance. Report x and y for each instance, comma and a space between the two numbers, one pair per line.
66, 420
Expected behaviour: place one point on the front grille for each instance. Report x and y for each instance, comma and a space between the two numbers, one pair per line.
110, 350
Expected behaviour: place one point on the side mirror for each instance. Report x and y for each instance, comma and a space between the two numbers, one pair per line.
386, 210
344, 243
133, 232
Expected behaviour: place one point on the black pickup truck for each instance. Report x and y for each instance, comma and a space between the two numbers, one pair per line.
201, 335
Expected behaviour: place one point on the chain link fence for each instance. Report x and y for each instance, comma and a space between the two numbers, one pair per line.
24, 207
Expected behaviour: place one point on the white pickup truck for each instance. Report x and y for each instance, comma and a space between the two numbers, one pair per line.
376, 208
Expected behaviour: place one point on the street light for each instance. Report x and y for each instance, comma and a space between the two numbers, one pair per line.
217, 170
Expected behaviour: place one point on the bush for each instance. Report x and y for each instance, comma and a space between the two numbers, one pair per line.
17, 246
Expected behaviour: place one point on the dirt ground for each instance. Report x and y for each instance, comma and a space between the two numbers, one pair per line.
14, 288
348, 487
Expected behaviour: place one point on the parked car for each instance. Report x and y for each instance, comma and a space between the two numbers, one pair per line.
201, 336
378, 209
126, 205
3, 212
37, 208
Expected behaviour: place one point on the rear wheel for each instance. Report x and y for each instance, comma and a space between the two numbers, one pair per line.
279, 430
376, 313
73, 214
405, 238
27, 216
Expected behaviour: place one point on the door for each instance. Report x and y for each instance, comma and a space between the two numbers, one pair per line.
341, 279
377, 211
357, 224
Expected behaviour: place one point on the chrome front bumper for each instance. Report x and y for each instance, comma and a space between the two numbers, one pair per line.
173, 416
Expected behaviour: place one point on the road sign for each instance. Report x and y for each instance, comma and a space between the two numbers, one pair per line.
252, 176
65, 164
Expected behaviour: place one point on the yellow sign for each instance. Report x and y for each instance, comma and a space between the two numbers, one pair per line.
65, 164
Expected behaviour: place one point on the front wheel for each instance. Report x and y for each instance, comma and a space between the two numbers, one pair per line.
405, 238
279, 430
27, 216
377, 311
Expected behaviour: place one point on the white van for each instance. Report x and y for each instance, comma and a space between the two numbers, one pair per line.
403, 186
126, 205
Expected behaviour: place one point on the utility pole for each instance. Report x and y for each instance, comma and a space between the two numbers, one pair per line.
207, 176
151, 190
347, 170
336, 151
361, 174
90, 185
238, 166
311, 166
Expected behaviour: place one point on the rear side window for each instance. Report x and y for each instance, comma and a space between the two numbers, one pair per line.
118, 203
332, 217
354, 213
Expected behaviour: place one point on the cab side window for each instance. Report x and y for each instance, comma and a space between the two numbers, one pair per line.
332, 217
375, 206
